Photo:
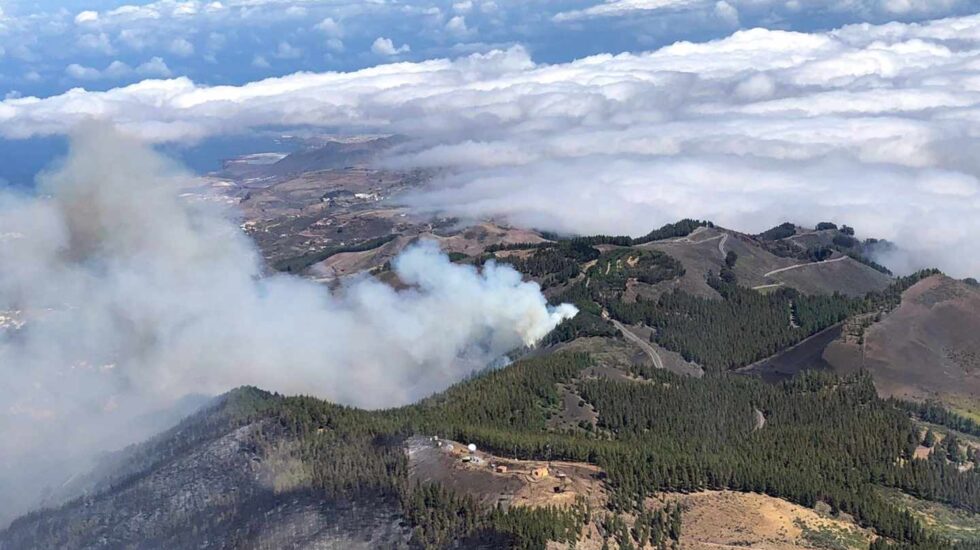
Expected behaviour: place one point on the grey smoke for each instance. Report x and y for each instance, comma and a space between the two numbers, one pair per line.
130, 298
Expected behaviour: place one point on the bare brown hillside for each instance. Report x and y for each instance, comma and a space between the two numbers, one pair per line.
726, 519
927, 347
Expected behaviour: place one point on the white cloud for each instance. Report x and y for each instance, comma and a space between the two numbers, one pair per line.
616, 8
756, 87
384, 46
260, 62
727, 13
185, 9
80, 72
457, 26
295, 11
96, 42
330, 27
773, 9
463, 7
285, 50
86, 16
868, 125
134, 39
155, 67
130, 13
118, 70
181, 47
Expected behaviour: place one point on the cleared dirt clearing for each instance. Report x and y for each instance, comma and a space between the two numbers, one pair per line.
725, 519
435, 462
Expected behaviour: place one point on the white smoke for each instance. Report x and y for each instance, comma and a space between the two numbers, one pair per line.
131, 298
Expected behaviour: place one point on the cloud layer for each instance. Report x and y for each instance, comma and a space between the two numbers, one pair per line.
235, 41
874, 126
783, 11
117, 298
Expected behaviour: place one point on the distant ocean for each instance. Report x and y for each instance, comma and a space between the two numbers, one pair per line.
21, 160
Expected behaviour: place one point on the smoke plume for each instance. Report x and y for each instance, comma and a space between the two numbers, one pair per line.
117, 298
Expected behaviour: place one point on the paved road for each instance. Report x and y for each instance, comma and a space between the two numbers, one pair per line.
797, 266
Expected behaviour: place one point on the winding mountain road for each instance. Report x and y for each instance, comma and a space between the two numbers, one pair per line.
646, 347
797, 266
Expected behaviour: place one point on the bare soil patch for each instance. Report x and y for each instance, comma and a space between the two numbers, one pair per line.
725, 519
923, 348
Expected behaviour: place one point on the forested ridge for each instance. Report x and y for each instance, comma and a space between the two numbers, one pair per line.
743, 327
934, 412
825, 439
776, 241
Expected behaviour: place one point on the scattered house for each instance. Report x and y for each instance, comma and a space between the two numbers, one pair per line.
471, 447
501, 469
476, 460
467, 458
539, 473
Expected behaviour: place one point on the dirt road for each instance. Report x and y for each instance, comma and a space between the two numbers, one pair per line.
797, 266
690, 237
763, 287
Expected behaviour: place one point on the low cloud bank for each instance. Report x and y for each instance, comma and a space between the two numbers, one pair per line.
873, 126
118, 298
